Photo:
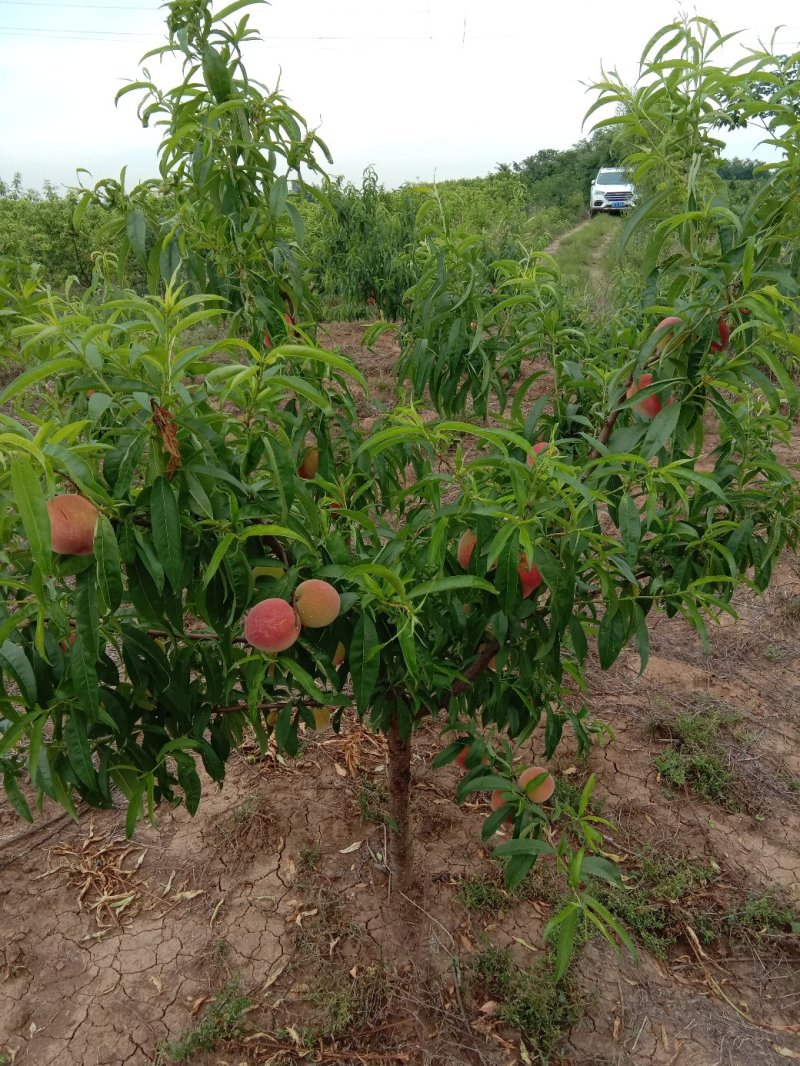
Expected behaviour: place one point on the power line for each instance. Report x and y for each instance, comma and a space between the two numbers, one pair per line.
73, 7
65, 29
58, 32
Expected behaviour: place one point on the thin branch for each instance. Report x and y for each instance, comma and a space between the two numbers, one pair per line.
278, 548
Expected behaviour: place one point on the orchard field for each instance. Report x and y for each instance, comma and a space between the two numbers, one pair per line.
327, 512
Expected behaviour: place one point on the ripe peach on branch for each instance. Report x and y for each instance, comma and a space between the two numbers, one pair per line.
650, 405
272, 626
73, 520
317, 603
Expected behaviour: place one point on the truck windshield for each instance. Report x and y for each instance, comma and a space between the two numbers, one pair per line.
612, 177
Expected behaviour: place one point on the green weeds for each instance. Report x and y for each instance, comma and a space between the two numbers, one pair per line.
221, 1020
529, 999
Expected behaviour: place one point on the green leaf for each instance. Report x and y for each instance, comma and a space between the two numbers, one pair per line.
13, 657
630, 526
189, 781
15, 797
166, 523
524, 846
77, 747
364, 661
216, 558
83, 673
30, 500
566, 939
49, 369
136, 227
613, 633
596, 866
109, 564
216, 74
486, 783
87, 617
446, 584
134, 809
661, 429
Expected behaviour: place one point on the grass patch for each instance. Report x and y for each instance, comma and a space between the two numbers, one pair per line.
221, 1020
668, 893
658, 899
479, 894
350, 1003
373, 801
696, 757
540, 1008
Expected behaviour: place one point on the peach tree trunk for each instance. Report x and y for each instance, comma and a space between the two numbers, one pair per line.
401, 849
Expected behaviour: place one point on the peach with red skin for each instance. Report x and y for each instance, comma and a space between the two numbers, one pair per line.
466, 546
542, 446
317, 603
650, 405
73, 520
272, 626
668, 325
310, 465
540, 793
724, 331
529, 577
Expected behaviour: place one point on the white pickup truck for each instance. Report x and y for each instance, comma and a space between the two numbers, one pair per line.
611, 191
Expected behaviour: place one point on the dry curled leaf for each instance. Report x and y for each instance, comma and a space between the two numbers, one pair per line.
489, 1007
165, 423
352, 848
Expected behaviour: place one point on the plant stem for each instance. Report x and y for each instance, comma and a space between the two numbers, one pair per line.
401, 849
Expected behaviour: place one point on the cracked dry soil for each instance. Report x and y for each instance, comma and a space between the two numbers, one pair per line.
109, 948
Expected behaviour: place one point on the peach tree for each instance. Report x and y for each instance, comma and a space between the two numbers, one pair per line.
200, 538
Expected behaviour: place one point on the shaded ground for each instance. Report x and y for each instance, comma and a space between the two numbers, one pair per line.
265, 928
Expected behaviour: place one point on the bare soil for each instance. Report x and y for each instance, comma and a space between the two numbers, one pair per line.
279, 887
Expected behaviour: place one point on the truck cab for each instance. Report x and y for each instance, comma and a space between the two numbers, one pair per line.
612, 190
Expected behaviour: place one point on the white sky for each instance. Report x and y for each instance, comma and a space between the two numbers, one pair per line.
444, 88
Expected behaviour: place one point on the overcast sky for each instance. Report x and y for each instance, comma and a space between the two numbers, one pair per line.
420, 89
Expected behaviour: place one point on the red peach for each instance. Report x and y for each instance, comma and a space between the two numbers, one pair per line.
466, 546
73, 520
317, 603
542, 446
650, 405
529, 576
540, 793
668, 326
310, 464
272, 625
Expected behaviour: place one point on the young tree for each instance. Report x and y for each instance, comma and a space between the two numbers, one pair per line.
165, 502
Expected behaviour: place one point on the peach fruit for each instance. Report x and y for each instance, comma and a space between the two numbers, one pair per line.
73, 520
317, 603
540, 793
529, 576
466, 546
650, 405
542, 446
272, 625
310, 464
668, 325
